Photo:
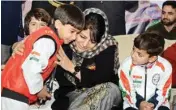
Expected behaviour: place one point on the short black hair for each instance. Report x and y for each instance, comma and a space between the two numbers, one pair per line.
152, 42
70, 14
170, 3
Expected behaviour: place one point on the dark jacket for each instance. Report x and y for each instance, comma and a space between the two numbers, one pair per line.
159, 27
11, 16
104, 70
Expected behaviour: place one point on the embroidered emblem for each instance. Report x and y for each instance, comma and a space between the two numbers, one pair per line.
34, 58
137, 77
155, 79
91, 67
137, 80
48, 32
35, 53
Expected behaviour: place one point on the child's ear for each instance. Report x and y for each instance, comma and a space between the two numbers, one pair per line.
57, 24
152, 59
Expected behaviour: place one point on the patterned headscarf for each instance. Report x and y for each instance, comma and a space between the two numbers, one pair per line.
106, 41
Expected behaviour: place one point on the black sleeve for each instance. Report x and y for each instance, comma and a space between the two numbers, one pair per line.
104, 71
60, 77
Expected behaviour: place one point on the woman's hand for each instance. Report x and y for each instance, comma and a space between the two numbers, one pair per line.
18, 48
64, 61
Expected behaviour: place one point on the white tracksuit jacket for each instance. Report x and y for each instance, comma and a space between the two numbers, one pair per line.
151, 82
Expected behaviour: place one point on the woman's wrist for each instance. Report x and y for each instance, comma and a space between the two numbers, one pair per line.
75, 69
72, 69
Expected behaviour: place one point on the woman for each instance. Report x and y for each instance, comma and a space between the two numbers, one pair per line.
87, 81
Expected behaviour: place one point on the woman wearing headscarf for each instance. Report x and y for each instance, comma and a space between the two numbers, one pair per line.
87, 69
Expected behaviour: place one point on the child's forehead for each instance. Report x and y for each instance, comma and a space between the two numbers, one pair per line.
72, 28
34, 19
142, 51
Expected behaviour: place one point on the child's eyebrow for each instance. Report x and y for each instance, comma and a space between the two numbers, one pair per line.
33, 22
74, 29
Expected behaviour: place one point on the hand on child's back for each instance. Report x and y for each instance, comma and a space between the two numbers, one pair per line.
18, 49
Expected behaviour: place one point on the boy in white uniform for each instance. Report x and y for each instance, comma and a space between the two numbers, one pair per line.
145, 77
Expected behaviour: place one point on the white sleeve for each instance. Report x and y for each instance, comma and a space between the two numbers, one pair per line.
126, 83
35, 62
164, 86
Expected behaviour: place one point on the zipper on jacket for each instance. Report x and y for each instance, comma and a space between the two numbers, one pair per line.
145, 83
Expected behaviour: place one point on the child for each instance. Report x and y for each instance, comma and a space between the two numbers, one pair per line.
145, 77
23, 76
34, 20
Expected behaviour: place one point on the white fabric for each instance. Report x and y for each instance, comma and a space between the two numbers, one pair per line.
35, 63
47, 105
156, 79
10, 104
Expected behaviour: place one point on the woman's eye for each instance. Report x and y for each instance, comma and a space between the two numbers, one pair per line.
83, 37
33, 24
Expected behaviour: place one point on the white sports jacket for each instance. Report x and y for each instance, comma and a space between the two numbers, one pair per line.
151, 82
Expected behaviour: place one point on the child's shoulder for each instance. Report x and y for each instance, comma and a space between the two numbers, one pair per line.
127, 61
164, 62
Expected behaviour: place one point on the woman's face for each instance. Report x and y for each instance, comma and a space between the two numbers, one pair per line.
83, 41
35, 24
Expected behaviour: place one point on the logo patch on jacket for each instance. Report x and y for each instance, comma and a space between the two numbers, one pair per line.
34, 58
91, 66
155, 79
137, 80
35, 53
137, 77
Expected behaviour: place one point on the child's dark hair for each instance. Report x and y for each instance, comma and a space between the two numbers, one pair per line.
96, 24
70, 14
39, 14
152, 42
170, 3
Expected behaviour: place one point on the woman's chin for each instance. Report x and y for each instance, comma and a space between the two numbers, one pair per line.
79, 50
